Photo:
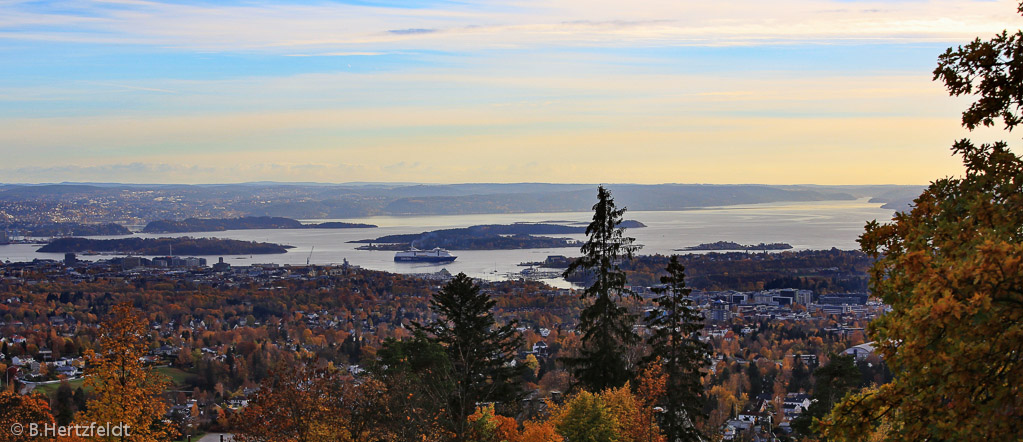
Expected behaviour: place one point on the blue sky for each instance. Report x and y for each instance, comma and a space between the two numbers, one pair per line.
829, 92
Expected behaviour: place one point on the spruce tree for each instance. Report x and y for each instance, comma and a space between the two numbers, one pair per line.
831, 383
63, 404
480, 352
606, 326
675, 343
416, 373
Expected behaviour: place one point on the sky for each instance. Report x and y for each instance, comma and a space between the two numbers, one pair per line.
560, 91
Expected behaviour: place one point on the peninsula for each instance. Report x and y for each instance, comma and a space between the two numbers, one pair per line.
243, 223
163, 246
482, 237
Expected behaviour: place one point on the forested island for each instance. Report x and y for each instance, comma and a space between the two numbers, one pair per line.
483, 237
479, 243
243, 223
164, 246
729, 245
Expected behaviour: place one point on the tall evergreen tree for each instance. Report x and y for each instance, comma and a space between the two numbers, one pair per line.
675, 343
480, 352
64, 404
605, 324
417, 375
831, 383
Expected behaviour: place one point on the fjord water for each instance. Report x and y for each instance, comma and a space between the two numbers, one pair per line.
804, 225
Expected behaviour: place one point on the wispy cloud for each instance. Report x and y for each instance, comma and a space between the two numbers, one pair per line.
793, 129
411, 31
338, 54
178, 172
133, 88
532, 90
339, 27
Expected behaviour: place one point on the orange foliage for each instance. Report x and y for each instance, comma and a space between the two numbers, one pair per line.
125, 391
18, 412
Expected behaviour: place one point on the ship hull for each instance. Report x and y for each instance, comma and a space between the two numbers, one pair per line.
424, 259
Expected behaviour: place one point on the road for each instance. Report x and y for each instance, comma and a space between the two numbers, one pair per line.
215, 437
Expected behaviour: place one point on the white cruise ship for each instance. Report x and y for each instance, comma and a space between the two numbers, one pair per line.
416, 255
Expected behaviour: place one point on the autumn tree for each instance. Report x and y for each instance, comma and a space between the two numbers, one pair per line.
124, 390
295, 406
650, 390
487, 426
535, 431
18, 413
675, 344
586, 417
605, 324
992, 70
614, 415
365, 406
635, 418
481, 352
952, 270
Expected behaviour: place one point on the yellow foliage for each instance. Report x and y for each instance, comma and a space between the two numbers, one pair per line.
951, 271
124, 390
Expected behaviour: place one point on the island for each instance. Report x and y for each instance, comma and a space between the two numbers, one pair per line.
164, 246
481, 237
630, 224
626, 224
729, 245
243, 223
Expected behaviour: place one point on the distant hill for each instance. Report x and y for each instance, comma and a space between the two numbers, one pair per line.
129, 204
244, 223
164, 246
632, 196
899, 199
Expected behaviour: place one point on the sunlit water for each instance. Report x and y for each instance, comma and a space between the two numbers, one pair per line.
810, 225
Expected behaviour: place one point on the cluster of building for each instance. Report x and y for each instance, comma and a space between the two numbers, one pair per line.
128, 206
721, 310
190, 269
40, 368
783, 304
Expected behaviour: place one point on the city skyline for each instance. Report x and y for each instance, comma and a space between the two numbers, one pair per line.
824, 92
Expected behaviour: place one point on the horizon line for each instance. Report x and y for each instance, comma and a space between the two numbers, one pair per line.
411, 183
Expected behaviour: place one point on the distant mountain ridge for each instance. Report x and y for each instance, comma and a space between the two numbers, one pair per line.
141, 204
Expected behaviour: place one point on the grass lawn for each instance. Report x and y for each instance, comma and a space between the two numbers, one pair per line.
195, 437
176, 375
51, 389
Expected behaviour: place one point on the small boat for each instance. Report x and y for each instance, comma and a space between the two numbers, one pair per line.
416, 255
